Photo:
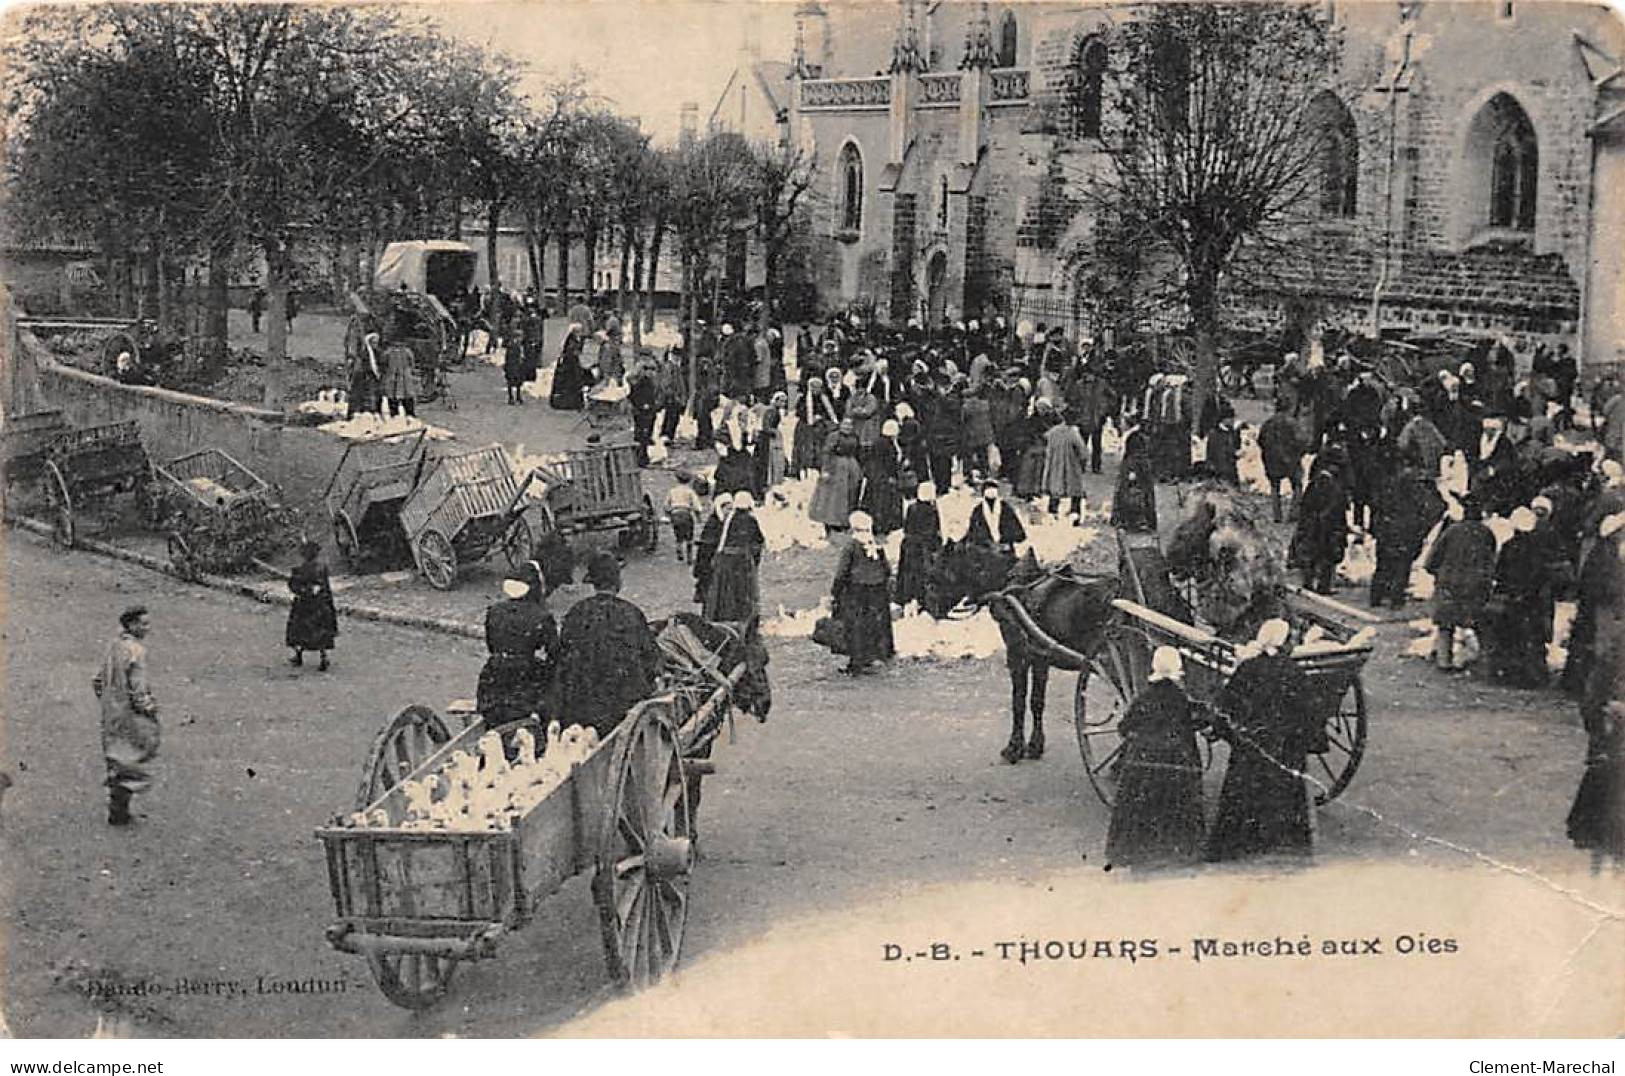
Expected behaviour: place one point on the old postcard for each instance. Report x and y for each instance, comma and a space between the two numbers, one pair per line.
918, 518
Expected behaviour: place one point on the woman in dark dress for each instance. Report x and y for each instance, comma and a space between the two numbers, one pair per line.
521, 638
732, 593
313, 623
1157, 820
816, 419
1264, 805
705, 549
569, 379
1134, 502
862, 602
922, 541
1596, 822
882, 481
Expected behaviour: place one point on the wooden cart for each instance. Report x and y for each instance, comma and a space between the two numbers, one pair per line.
599, 488
25, 441
87, 467
219, 515
365, 494
415, 903
462, 508
1110, 678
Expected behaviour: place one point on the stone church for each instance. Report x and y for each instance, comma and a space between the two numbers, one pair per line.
1474, 169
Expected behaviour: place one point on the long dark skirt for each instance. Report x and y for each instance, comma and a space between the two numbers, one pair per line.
731, 593
1596, 820
1030, 474
807, 449
1134, 505
866, 612
1262, 811
510, 689
883, 500
914, 568
313, 623
1158, 817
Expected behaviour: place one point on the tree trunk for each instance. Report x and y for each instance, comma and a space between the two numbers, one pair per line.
533, 253
276, 330
1203, 297
215, 337
770, 280
147, 301
562, 233
652, 268
637, 292
493, 271
589, 241
686, 313
624, 284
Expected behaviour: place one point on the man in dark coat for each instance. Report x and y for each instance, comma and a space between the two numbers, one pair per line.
1089, 403
1408, 505
1523, 596
1134, 501
1463, 564
995, 523
1282, 448
644, 396
1157, 819
1596, 821
1322, 532
1272, 726
608, 655
521, 636
739, 362
1493, 467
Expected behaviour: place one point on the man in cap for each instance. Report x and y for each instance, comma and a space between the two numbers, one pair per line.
129, 715
608, 655
520, 635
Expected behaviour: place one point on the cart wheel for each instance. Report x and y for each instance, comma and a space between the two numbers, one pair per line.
412, 980
1103, 694
645, 854
437, 560
181, 560
400, 747
1345, 734
516, 543
345, 540
61, 502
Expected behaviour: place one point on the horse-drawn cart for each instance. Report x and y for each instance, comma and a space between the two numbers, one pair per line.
416, 902
365, 494
219, 515
462, 508
598, 488
89, 466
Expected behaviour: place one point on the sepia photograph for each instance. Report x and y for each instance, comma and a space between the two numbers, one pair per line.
759, 519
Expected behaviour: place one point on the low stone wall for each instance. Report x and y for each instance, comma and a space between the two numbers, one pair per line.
298, 460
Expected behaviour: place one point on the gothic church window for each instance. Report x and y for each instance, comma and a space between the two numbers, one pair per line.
1088, 72
1504, 164
1337, 148
851, 173
1007, 41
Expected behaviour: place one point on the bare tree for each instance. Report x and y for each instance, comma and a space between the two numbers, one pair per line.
784, 181
1213, 145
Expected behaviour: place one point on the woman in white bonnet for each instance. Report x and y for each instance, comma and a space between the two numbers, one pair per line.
1157, 819
732, 593
1267, 713
922, 541
862, 599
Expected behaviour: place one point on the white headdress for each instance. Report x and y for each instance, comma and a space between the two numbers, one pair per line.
1166, 664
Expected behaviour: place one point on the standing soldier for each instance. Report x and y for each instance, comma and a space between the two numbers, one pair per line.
130, 729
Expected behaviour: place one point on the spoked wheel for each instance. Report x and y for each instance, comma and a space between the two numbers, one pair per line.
516, 542
645, 854
345, 541
63, 531
437, 560
1103, 694
401, 747
412, 980
181, 559
1345, 737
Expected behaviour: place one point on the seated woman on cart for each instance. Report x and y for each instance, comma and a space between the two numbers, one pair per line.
522, 637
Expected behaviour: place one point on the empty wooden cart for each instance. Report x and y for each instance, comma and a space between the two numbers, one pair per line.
462, 508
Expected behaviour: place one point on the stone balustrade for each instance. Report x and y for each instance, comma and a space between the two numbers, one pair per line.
846, 93
939, 90
1010, 86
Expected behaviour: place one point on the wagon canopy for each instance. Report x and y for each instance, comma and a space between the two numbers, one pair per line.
442, 268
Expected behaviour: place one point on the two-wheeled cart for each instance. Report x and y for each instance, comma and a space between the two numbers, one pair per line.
25, 440
86, 468
594, 489
464, 506
416, 903
365, 494
218, 515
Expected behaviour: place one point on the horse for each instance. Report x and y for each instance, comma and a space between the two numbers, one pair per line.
1072, 610
1230, 568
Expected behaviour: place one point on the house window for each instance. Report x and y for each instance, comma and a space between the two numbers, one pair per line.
1088, 72
1007, 41
942, 203
1337, 147
851, 173
1504, 162
1171, 79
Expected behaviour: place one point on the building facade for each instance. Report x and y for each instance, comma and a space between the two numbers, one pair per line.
1472, 176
